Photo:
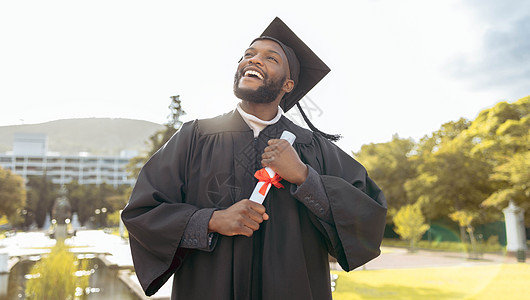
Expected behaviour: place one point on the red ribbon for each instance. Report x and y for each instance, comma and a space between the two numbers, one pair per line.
263, 176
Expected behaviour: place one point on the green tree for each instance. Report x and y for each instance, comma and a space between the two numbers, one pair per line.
81, 198
501, 131
409, 223
104, 198
501, 136
435, 170
12, 195
450, 179
159, 138
388, 164
41, 196
118, 199
515, 173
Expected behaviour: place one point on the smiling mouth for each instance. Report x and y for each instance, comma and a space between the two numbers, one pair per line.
254, 74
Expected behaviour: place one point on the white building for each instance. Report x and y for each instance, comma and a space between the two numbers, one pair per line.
30, 157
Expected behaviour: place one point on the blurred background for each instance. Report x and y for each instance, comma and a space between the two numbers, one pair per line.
432, 97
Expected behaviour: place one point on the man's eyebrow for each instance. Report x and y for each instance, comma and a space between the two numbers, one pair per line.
269, 50
275, 52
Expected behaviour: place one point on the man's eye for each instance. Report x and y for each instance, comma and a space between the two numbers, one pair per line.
247, 55
272, 58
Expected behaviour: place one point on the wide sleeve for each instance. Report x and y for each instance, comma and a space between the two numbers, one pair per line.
358, 207
156, 215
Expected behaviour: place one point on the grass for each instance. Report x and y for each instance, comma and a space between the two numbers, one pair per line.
503, 281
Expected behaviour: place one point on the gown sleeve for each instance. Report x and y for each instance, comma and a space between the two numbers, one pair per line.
157, 215
358, 207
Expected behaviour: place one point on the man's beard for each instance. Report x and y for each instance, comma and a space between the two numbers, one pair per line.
266, 93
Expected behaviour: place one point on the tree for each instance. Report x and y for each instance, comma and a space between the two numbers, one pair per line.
501, 136
438, 170
81, 198
388, 164
12, 194
464, 220
41, 195
118, 199
410, 224
159, 138
501, 131
450, 179
104, 198
515, 173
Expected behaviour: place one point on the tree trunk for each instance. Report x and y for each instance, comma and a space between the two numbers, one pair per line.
463, 238
474, 251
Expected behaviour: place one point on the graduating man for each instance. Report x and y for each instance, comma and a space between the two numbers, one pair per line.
190, 213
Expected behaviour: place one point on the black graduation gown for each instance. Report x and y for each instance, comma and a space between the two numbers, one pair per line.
211, 163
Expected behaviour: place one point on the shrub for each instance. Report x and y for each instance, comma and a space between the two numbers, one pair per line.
490, 246
60, 275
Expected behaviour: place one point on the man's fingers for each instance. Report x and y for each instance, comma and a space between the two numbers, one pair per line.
273, 141
242, 218
260, 209
246, 231
255, 216
251, 224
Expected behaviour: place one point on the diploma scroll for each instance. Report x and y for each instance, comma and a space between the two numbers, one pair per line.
269, 176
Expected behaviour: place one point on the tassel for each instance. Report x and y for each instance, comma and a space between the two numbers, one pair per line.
331, 137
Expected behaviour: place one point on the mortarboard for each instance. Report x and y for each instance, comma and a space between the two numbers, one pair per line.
311, 68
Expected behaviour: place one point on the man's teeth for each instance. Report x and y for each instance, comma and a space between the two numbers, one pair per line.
255, 73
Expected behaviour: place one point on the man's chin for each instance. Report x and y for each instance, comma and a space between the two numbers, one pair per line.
251, 96
249, 85
255, 92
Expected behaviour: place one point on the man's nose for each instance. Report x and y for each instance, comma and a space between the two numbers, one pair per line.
256, 59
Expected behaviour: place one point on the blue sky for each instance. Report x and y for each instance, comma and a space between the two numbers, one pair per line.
402, 67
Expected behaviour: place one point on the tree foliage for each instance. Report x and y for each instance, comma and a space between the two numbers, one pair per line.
389, 166
12, 194
466, 170
41, 196
87, 199
410, 224
160, 137
450, 180
515, 173
501, 136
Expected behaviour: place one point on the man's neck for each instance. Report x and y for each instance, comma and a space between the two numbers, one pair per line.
263, 111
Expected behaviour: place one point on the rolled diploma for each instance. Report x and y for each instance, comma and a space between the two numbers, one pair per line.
256, 196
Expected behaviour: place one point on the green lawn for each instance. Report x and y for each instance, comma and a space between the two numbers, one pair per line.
506, 281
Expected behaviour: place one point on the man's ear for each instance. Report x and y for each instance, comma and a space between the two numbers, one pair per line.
288, 85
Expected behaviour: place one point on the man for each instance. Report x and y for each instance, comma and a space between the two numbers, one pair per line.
189, 213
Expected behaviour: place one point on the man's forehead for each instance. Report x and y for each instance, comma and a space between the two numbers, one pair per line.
268, 45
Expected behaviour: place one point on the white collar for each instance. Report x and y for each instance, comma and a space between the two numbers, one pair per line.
255, 123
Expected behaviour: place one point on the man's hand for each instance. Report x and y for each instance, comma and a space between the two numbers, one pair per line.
242, 218
281, 157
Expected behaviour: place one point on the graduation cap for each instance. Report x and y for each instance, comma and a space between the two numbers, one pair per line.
306, 68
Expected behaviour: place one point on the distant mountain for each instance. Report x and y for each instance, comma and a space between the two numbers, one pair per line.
102, 136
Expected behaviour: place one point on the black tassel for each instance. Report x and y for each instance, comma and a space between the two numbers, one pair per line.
331, 137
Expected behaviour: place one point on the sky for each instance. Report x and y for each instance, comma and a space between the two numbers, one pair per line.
397, 67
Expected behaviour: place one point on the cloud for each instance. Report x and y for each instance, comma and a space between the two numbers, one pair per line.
503, 60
